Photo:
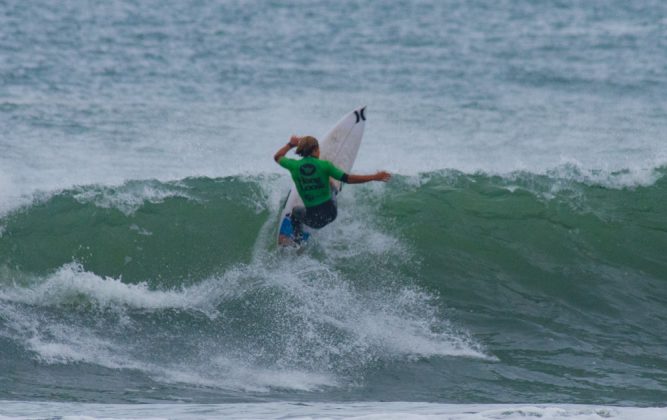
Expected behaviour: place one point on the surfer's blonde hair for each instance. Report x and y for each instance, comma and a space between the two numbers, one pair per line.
307, 146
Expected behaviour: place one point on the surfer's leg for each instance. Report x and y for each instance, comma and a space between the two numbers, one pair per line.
319, 216
332, 210
297, 217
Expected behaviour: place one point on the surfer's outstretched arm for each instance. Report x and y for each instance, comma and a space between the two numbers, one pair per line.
293, 141
360, 179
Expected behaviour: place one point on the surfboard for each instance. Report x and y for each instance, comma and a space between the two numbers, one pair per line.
340, 146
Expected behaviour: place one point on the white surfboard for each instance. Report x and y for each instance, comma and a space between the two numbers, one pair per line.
339, 146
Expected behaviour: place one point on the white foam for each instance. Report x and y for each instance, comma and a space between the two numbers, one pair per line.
234, 374
354, 230
140, 230
62, 343
381, 315
55, 342
394, 322
273, 191
611, 178
327, 410
71, 282
258, 379
129, 197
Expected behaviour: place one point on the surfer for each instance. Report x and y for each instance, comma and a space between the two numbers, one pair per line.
312, 178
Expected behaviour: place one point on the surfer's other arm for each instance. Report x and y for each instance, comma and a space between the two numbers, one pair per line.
360, 179
293, 142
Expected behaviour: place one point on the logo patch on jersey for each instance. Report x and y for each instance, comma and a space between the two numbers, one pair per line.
307, 170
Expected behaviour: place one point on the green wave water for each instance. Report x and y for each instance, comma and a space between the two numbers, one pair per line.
446, 286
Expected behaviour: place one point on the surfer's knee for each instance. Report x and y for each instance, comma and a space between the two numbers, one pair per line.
298, 213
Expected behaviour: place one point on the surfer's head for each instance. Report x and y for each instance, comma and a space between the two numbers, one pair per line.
308, 146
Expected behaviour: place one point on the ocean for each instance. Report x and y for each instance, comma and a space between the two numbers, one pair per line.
513, 267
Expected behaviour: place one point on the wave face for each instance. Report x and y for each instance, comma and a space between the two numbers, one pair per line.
444, 286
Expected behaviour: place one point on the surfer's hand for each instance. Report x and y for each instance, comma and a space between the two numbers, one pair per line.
294, 141
382, 176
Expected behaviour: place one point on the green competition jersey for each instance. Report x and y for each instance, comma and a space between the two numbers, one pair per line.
311, 176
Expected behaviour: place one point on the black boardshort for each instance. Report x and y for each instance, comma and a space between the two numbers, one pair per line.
315, 217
